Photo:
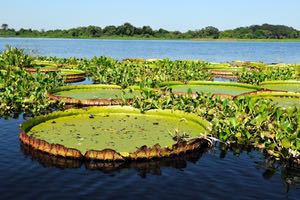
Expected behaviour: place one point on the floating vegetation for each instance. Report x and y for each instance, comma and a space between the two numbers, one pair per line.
69, 75
257, 76
24, 92
150, 74
94, 94
115, 133
244, 120
288, 85
72, 75
216, 88
286, 99
224, 70
262, 111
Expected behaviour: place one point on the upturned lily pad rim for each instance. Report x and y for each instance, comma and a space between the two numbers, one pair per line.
271, 93
280, 82
91, 86
211, 83
70, 72
110, 154
225, 68
90, 102
61, 162
268, 84
41, 69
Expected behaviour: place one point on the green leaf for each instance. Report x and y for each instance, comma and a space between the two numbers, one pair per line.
286, 143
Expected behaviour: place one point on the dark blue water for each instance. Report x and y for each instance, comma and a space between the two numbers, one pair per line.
210, 174
270, 52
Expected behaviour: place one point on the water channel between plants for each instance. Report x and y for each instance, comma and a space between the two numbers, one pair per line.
210, 174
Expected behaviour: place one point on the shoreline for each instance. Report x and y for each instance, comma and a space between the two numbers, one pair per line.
154, 38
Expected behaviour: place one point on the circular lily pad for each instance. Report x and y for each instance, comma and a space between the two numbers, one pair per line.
217, 88
290, 85
115, 133
70, 75
42, 69
73, 75
223, 70
93, 94
286, 99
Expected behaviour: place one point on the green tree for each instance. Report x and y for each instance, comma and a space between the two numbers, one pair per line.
4, 27
110, 30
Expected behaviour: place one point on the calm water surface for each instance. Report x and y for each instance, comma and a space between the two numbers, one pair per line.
202, 175
270, 52
213, 174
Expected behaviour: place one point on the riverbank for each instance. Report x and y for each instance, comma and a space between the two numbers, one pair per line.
155, 38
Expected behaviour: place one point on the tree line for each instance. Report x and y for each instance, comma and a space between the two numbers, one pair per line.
265, 31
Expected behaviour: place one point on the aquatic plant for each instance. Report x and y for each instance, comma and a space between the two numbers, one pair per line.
25, 92
94, 95
244, 120
283, 98
212, 87
258, 122
287, 85
147, 74
14, 57
115, 133
256, 77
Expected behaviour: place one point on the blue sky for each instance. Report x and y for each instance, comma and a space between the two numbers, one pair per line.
179, 15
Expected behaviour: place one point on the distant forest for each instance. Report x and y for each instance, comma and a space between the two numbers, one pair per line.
265, 31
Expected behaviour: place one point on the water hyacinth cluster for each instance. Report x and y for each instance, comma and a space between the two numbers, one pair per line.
244, 120
25, 92
14, 57
148, 73
256, 77
21, 91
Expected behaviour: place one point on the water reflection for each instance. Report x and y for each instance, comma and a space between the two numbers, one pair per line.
289, 171
153, 167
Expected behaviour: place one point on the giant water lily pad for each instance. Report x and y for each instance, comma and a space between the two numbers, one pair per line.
290, 85
72, 75
222, 88
94, 94
286, 99
223, 70
146, 166
115, 133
